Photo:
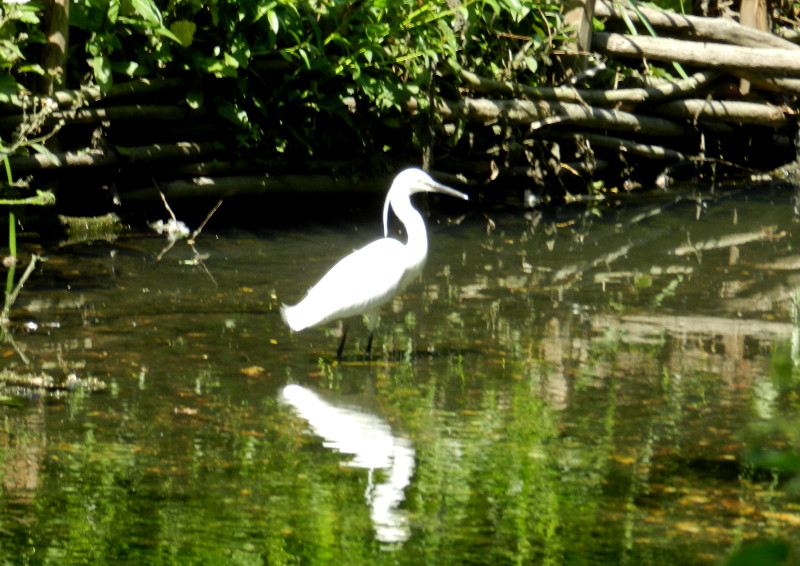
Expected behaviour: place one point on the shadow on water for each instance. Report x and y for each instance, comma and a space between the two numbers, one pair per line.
616, 388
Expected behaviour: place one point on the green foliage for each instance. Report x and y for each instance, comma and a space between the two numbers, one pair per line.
127, 38
292, 73
19, 30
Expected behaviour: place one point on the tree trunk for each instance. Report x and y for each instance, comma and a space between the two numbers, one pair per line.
54, 54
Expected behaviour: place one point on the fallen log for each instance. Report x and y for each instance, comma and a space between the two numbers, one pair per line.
597, 97
224, 187
485, 110
713, 29
780, 85
713, 55
649, 151
93, 115
181, 152
729, 111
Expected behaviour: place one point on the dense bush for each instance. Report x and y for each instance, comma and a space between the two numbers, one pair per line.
279, 69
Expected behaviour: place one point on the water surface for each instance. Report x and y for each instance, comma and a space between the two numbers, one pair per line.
596, 387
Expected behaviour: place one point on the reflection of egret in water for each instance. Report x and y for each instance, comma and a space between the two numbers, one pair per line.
369, 440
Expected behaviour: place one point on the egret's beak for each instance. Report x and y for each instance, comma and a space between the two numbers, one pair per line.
423, 187
434, 187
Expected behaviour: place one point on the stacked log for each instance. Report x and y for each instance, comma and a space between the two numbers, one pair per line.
737, 114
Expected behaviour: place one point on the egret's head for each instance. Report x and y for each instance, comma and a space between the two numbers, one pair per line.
409, 182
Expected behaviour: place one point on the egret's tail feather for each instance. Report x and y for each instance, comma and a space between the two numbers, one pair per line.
299, 317
289, 315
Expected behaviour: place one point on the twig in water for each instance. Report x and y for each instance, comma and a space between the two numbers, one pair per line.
12, 296
203, 223
166, 205
174, 229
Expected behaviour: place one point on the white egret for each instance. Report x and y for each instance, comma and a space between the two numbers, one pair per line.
362, 282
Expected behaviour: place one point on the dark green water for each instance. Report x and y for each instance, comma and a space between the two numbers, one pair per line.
581, 390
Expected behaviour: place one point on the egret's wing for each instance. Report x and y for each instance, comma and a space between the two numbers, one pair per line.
360, 282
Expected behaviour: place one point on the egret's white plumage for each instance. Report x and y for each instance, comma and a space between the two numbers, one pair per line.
365, 280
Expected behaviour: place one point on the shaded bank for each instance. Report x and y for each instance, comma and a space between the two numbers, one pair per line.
301, 96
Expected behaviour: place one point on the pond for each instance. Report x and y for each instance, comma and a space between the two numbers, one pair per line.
602, 386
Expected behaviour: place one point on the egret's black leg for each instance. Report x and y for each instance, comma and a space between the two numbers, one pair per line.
372, 318
340, 350
368, 351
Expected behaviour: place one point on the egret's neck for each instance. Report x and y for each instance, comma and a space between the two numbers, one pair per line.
417, 244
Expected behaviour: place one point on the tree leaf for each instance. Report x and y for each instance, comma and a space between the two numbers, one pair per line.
194, 98
147, 10
102, 72
184, 30
274, 23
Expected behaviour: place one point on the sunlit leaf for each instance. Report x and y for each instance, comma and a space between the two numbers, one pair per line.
112, 12
194, 98
232, 113
274, 23
184, 30
8, 84
31, 68
128, 68
27, 13
147, 10
102, 72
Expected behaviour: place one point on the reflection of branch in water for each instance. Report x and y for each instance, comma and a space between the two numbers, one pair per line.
642, 328
766, 233
370, 441
8, 338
